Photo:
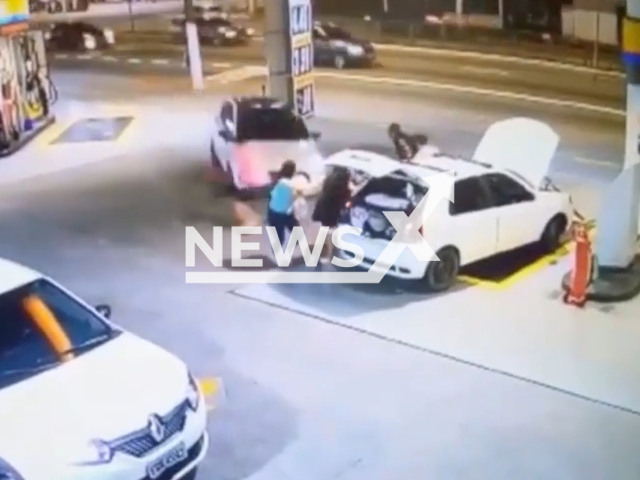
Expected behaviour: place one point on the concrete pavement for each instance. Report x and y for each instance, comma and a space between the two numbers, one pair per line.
305, 398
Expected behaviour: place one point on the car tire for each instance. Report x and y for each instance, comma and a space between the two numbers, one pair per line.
339, 62
441, 276
551, 238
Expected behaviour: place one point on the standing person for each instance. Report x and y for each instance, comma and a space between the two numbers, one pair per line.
405, 145
281, 201
336, 192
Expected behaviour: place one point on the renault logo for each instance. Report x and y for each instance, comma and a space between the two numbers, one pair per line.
156, 428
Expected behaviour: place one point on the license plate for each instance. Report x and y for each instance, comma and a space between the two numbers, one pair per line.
168, 460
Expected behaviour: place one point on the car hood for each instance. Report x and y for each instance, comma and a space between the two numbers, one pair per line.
103, 394
523, 145
258, 160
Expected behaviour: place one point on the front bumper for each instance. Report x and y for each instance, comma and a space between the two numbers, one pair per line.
366, 60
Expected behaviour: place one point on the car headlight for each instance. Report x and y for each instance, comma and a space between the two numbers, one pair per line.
250, 31
193, 393
7, 472
355, 50
230, 34
109, 36
93, 452
89, 41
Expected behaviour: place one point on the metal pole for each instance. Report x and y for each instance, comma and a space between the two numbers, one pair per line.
131, 20
596, 40
194, 58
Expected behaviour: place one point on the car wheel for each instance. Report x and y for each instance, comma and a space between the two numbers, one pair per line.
551, 238
339, 62
440, 276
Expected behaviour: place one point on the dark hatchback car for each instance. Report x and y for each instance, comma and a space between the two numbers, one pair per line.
334, 46
217, 31
79, 36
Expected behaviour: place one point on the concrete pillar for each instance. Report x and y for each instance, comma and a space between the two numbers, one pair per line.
459, 8
617, 224
288, 43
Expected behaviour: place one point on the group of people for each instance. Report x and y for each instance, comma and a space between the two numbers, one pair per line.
335, 192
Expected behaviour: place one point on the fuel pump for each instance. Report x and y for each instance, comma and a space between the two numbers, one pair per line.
40, 90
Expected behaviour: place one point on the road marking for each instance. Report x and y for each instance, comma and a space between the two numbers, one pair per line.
491, 71
237, 74
499, 58
598, 163
134, 60
84, 57
160, 61
213, 391
109, 59
475, 91
222, 65
61, 55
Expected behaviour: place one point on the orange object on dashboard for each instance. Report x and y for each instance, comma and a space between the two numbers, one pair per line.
48, 324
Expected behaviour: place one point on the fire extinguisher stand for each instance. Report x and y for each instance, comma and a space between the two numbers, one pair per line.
584, 269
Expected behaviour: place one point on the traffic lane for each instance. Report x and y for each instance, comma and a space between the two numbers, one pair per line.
486, 73
109, 230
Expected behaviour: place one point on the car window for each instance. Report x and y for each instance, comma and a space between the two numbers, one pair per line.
505, 190
226, 116
468, 196
333, 31
219, 22
271, 124
30, 316
319, 33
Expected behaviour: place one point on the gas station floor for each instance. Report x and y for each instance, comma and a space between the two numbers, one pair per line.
525, 331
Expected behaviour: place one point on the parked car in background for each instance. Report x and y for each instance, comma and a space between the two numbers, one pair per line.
79, 36
216, 31
334, 46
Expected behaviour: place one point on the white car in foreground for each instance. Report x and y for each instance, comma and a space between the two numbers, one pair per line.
254, 136
82, 399
502, 201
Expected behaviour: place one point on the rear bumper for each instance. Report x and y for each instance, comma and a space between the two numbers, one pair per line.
406, 266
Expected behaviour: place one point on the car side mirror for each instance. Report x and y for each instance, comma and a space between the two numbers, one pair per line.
226, 135
104, 310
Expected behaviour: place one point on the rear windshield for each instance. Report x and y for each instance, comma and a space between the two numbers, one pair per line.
37, 322
394, 187
271, 124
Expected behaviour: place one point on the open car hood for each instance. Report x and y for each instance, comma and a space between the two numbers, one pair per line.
522, 145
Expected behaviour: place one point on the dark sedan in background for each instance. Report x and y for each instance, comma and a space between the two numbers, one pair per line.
334, 46
216, 31
78, 36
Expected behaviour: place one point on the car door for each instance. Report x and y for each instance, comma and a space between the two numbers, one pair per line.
517, 211
321, 47
472, 226
224, 136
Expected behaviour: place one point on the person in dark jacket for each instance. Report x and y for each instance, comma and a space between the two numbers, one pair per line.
405, 145
336, 192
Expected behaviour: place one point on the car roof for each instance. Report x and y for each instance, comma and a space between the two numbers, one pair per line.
13, 275
259, 102
379, 165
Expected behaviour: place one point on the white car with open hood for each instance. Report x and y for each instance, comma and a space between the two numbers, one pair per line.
254, 136
82, 399
502, 200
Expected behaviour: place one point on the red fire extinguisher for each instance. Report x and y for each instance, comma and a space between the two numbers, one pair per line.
584, 266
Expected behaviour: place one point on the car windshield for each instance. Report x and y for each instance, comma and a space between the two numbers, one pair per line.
271, 124
41, 326
333, 31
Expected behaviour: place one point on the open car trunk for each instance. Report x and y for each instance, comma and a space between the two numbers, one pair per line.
396, 192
